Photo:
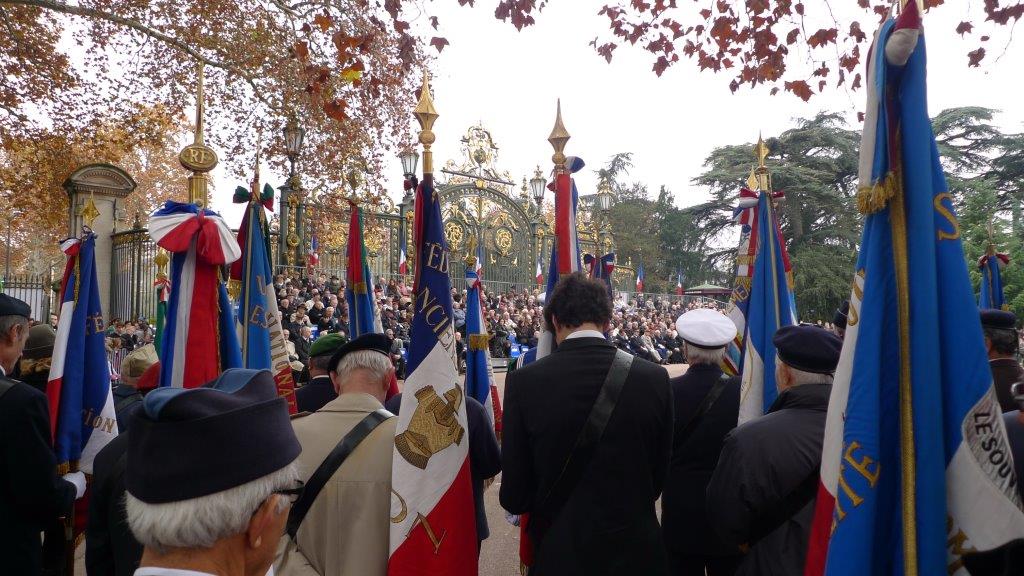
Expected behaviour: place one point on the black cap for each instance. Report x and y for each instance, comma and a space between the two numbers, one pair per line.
808, 348
371, 341
839, 319
187, 443
10, 306
999, 319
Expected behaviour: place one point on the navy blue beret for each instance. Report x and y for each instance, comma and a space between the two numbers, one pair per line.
993, 318
808, 348
187, 443
370, 341
10, 306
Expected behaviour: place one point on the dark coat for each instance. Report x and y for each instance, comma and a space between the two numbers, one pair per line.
1005, 371
126, 399
684, 517
315, 394
609, 524
763, 462
110, 548
302, 349
32, 496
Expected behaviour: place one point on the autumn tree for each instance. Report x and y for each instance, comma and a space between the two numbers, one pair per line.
800, 46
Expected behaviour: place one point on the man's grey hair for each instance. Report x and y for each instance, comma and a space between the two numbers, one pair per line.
378, 364
800, 377
201, 522
697, 355
10, 321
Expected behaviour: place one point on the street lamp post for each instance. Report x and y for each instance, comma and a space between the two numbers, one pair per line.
7, 263
537, 187
605, 199
409, 158
291, 214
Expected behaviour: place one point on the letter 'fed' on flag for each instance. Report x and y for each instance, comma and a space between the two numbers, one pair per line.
78, 390
916, 469
433, 523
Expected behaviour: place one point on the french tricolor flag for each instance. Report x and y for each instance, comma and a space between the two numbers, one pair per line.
199, 340
640, 278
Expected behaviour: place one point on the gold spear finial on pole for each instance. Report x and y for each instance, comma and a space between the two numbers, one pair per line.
426, 114
254, 186
764, 179
197, 156
559, 138
471, 252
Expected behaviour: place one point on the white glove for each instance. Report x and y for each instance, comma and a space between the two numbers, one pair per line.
78, 479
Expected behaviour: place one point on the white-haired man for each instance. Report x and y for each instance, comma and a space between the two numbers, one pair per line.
761, 496
210, 475
341, 525
706, 403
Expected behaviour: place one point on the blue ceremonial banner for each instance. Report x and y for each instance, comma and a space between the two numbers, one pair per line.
992, 282
915, 466
770, 307
479, 375
363, 317
78, 389
601, 269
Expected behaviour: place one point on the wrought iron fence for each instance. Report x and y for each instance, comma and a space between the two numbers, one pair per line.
36, 290
132, 272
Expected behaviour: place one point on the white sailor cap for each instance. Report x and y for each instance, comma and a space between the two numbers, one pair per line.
706, 328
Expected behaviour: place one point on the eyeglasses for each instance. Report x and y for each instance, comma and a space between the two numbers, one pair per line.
293, 494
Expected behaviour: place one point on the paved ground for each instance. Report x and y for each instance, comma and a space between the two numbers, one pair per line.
500, 553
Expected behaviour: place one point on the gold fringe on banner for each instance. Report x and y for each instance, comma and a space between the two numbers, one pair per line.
874, 198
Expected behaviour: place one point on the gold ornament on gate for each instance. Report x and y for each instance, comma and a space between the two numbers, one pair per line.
434, 426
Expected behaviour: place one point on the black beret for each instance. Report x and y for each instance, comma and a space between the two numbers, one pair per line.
839, 319
808, 348
371, 341
10, 306
993, 318
187, 443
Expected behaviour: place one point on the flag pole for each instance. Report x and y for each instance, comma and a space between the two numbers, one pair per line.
558, 138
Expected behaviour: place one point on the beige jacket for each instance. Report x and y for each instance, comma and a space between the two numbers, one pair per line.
346, 531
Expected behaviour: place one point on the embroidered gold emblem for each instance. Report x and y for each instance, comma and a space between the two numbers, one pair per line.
433, 427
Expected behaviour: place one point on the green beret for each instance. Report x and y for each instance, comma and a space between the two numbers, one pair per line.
327, 344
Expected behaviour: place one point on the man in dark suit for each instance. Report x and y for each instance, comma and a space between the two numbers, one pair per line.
706, 403
1000, 328
607, 523
303, 344
32, 495
315, 394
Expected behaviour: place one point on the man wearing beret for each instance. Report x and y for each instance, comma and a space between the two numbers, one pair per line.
706, 403
319, 390
761, 496
1000, 329
346, 528
126, 394
210, 476
32, 496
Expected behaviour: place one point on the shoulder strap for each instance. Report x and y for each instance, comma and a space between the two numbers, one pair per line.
705, 406
582, 451
794, 502
330, 465
5, 385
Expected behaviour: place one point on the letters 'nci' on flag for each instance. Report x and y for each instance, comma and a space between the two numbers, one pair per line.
433, 524
770, 307
259, 323
916, 468
200, 339
82, 418
363, 317
565, 253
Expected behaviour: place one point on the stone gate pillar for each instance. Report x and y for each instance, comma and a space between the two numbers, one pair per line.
106, 186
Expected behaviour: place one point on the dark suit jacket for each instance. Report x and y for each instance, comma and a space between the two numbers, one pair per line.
315, 394
1005, 371
302, 349
684, 518
32, 496
110, 548
609, 524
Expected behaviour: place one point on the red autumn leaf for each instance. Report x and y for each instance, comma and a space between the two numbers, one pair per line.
799, 88
975, 57
793, 35
856, 33
433, 22
439, 43
856, 82
401, 26
822, 37
306, 28
964, 28
301, 51
860, 116
660, 65
933, 3
799, 8
323, 21
335, 109
606, 49
705, 14
984, 38
773, 91
864, 3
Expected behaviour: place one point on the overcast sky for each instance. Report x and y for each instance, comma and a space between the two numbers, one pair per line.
510, 81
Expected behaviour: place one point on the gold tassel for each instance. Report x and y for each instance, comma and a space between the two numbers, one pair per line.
874, 198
